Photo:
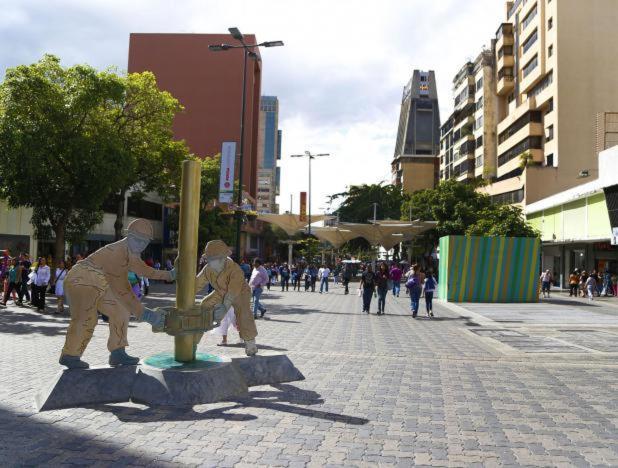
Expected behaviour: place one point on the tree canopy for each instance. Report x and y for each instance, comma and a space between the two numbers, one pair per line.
57, 149
358, 200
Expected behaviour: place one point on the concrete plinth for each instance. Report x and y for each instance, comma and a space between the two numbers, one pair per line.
72, 388
161, 381
267, 370
207, 380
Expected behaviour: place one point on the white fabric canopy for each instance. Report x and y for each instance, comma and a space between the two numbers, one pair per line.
289, 222
389, 233
334, 235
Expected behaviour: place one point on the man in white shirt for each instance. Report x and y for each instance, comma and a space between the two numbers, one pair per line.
41, 280
259, 278
323, 275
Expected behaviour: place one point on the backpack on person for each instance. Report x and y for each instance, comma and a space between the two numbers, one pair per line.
430, 284
413, 281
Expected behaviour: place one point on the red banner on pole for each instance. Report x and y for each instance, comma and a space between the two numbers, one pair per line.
303, 206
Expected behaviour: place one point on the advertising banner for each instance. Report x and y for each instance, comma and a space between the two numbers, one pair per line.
226, 177
303, 206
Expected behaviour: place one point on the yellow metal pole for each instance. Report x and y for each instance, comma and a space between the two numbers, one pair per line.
187, 253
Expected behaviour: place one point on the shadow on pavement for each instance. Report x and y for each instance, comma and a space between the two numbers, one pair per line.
584, 302
260, 346
24, 322
276, 400
27, 441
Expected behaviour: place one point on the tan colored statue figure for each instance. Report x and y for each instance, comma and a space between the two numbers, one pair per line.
230, 289
100, 283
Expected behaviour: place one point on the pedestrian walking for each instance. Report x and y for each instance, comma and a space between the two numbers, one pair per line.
13, 277
367, 286
41, 281
224, 327
382, 281
414, 283
395, 275
546, 279
284, 272
58, 286
582, 283
25, 271
259, 279
323, 274
429, 285
295, 274
591, 285
347, 276
573, 283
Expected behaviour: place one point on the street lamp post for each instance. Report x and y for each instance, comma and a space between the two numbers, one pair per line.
309, 156
247, 52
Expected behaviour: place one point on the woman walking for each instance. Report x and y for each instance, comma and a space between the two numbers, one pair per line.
382, 279
13, 277
591, 285
368, 286
58, 282
43, 276
430, 285
414, 284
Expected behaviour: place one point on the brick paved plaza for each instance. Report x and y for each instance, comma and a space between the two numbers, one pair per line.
488, 385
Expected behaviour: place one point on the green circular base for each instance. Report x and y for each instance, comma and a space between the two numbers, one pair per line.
167, 361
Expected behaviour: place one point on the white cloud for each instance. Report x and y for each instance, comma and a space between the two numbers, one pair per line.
339, 77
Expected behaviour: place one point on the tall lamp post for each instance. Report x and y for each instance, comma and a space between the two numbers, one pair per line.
247, 52
309, 156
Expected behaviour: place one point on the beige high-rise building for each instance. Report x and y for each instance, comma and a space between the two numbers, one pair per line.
553, 71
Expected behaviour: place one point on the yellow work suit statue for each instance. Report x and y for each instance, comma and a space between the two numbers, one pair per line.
100, 283
230, 289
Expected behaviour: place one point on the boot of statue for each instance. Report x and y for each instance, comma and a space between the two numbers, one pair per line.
119, 357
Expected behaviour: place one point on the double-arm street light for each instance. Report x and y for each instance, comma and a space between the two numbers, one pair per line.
309, 156
247, 52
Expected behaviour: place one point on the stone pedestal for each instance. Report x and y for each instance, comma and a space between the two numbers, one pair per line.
159, 380
207, 380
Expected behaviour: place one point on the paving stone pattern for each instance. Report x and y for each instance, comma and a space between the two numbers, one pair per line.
379, 390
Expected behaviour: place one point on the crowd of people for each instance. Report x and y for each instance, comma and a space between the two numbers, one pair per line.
584, 284
29, 282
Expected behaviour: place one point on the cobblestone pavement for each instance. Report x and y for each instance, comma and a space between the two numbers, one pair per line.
462, 389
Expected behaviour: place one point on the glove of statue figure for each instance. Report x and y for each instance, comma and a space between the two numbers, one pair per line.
219, 312
156, 318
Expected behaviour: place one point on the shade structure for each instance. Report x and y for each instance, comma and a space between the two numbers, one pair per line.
289, 222
334, 235
389, 233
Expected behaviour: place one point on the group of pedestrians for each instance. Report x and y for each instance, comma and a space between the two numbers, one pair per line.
584, 284
28, 283
379, 283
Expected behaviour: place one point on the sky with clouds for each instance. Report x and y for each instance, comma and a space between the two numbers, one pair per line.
339, 77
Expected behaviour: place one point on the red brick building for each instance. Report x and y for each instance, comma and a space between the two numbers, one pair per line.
209, 86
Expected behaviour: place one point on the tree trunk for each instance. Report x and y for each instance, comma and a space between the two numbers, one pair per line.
119, 216
59, 252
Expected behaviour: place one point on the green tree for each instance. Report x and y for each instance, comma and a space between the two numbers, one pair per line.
309, 248
142, 125
502, 220
57, 152
358, 200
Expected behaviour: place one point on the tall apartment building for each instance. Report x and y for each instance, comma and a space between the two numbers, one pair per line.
415, 163
209, 86
552, 72
467, 142
269, 152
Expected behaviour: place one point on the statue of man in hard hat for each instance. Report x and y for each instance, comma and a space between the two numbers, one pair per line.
230, 289
100, 283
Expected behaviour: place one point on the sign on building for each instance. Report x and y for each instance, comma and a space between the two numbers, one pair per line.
226, 177
303, 206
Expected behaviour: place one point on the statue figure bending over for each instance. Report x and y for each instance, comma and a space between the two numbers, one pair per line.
230, 289
100, 283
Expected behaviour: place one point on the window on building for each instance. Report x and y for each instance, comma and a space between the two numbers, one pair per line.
479, 103
550, 106
479, 141
139, 208
531, 65
529, 17
479, 123
550, 23
550, 50
479, 83
549, 160
529, 42
549, 133
507, 198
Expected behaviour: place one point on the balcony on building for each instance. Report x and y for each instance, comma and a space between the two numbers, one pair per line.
529, 124
510, 160
505, 81
505, 57
504, 36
